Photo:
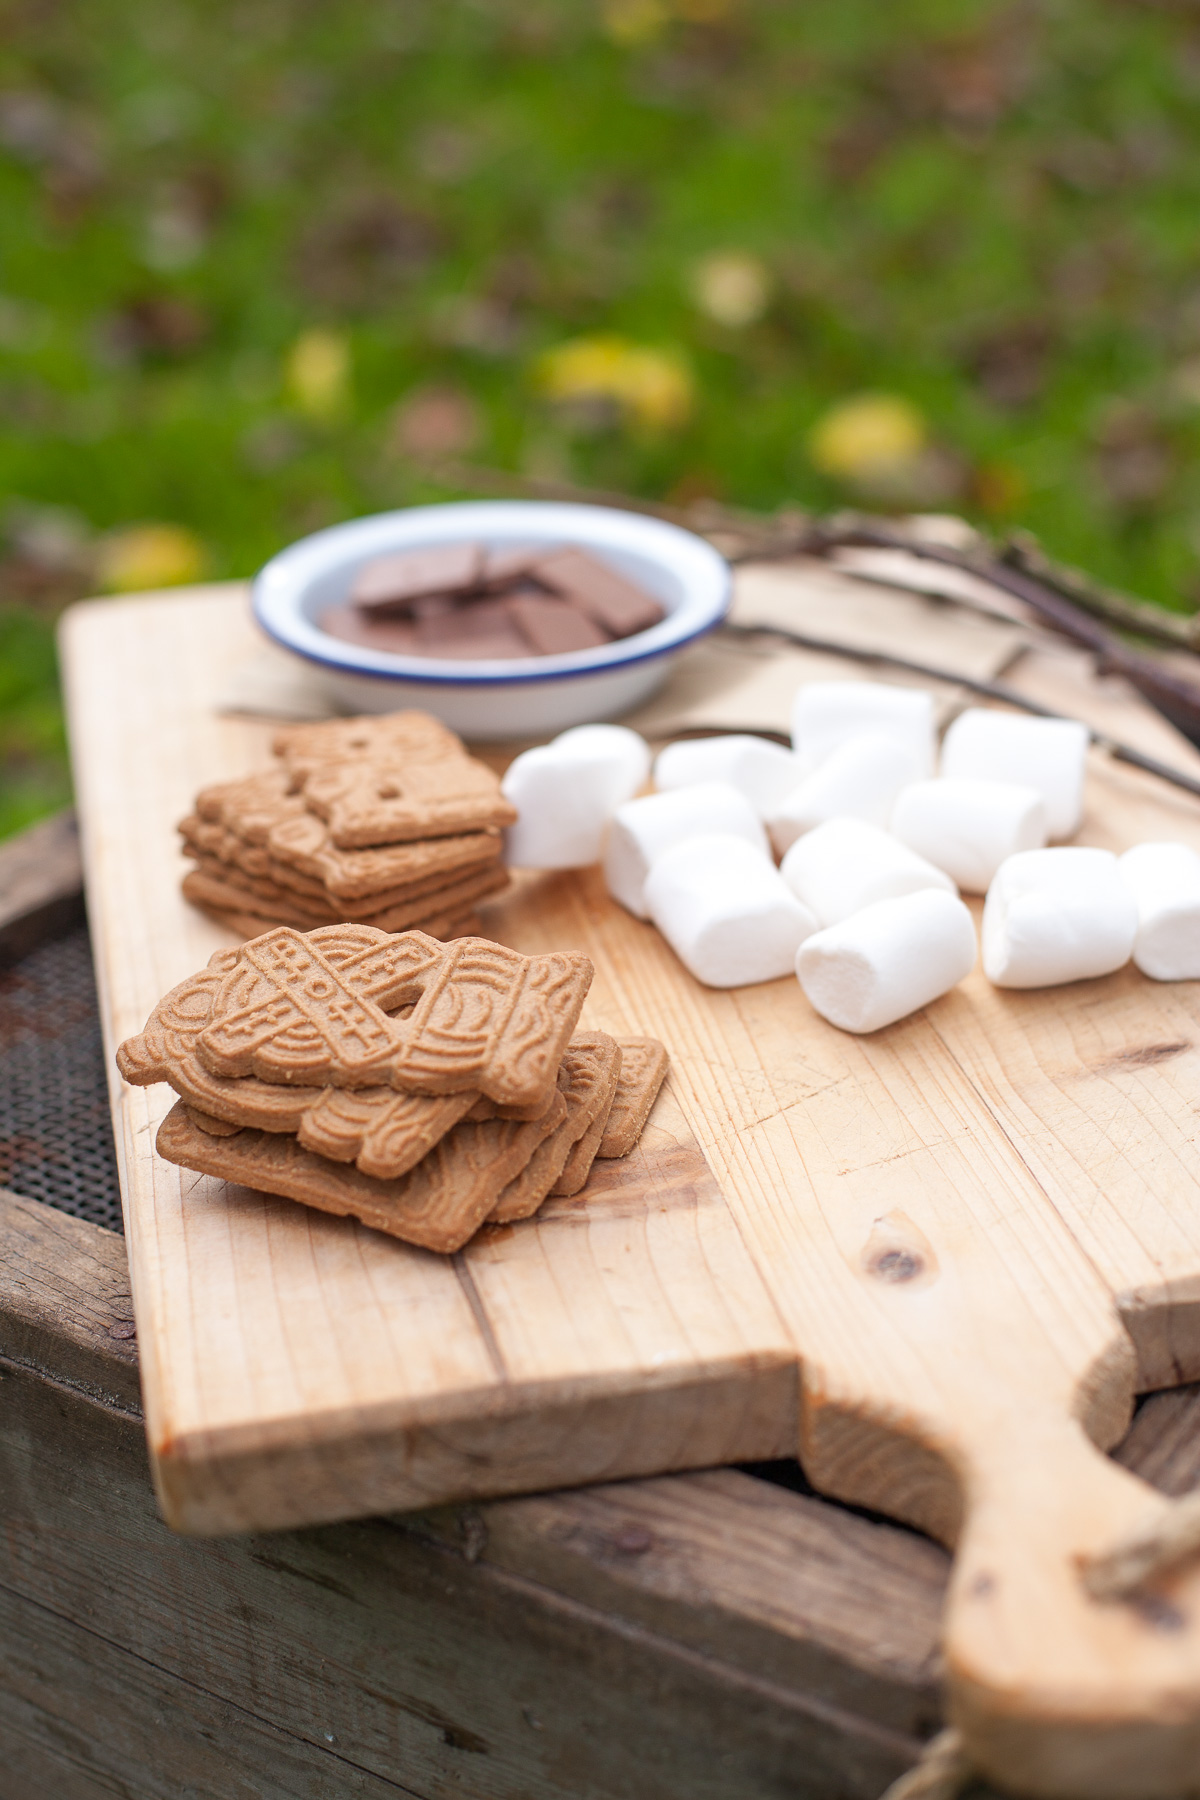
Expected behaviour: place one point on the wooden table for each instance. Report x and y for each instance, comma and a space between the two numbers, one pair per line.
711, 1634
696, 1637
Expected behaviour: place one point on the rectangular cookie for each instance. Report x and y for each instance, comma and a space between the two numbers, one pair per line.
578, 1165
438, 1205
586, 1081
250, 925
215, 886
384, 1132
210, 844
263, 812
391, 779
644, 1064
378, 737
373, 803
324, 1008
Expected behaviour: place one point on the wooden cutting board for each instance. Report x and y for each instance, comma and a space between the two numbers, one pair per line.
937, 1262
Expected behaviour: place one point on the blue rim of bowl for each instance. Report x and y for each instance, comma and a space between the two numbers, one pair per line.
475, 675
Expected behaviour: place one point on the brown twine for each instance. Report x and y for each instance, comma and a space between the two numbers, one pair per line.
942, 1773
1152, 1549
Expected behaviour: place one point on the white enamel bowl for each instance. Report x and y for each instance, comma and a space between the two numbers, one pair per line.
532, 696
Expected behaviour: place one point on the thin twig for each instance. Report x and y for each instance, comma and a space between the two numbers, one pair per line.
989, 690
941, 1774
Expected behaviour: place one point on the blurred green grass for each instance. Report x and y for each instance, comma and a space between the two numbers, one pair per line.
987, 209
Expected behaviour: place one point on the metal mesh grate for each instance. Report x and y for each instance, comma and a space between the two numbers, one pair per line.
56, 1142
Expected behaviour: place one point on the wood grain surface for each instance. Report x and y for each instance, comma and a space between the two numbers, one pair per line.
697, 1637
1031, 1158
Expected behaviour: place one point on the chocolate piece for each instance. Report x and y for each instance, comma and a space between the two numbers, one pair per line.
478, 630
508, 566
394, 637
552, 627
598, 590
390, 584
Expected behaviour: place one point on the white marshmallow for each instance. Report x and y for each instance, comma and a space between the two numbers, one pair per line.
846, 864
826, 713
1057, 915
968, 828
1164, 880
565, 793
1047, 754
859, 780
887, 960
763, 771
725, 911
642, 829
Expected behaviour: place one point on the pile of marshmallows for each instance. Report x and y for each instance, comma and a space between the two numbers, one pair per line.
865, 903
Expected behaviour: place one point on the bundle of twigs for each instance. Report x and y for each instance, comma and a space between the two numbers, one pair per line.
1113, 626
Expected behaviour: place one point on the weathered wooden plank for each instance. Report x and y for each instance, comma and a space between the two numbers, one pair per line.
443, 1674
41, 885
81, 1718
775, 1587
796, 1590
65, 1304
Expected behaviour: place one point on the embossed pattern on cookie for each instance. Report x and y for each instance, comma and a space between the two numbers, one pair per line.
586, 1081
389, 803
386, 1133
393, 737
314, 1008
578, 1165
261, 813
643, 1068
438, 1205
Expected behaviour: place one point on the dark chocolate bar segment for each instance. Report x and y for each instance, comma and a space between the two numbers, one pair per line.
552, 627
598, 590
394, 636
477, 629
391, 583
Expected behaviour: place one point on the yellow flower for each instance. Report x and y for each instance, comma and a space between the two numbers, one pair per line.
652, 387
317, 373
629, 22
866, 435
149, 556
732, 287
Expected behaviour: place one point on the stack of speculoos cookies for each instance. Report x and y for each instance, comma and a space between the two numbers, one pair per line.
384, 821
423, 1088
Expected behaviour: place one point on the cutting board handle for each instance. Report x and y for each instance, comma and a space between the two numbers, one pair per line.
1059, 1694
